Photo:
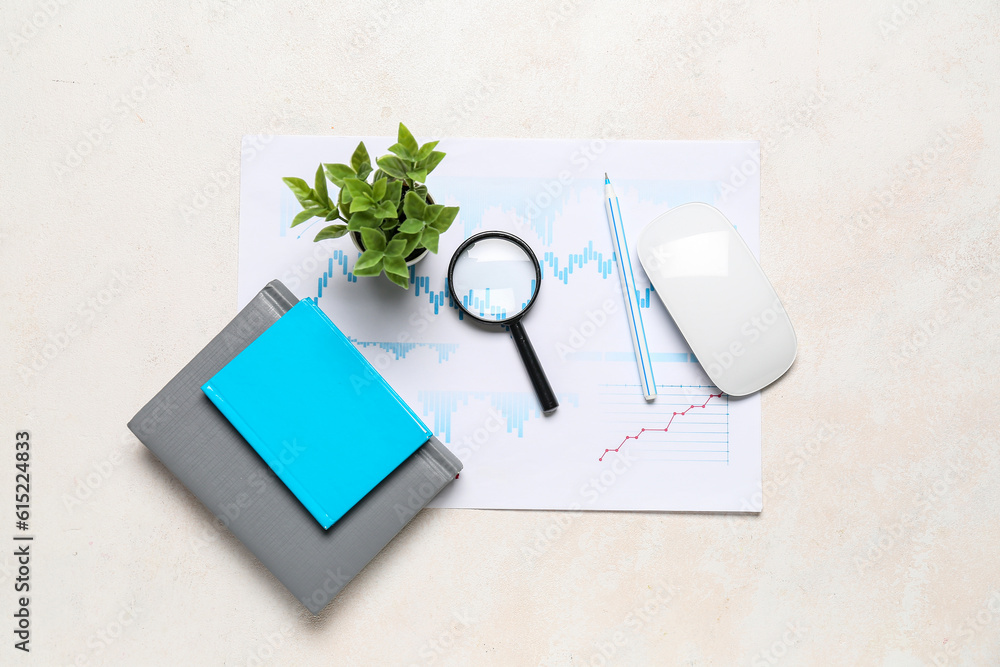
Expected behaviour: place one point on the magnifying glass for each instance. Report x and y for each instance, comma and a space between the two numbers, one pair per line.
494, 278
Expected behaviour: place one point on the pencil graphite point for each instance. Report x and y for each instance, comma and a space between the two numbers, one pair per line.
606, 179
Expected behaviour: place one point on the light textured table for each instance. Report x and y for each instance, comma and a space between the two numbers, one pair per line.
880, 539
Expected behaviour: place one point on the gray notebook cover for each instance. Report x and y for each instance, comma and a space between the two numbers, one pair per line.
197, 443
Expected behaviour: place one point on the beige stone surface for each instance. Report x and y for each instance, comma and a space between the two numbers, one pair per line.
878, 544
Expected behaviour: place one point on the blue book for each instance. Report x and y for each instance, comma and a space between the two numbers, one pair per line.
321, 417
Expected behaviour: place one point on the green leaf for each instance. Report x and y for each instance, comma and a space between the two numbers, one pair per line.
331, 232
384, 209
378, 190
332, 215
361, 220
444, 220
402, 281
407, 140
364, 171
368, 259
417, 175
411, 243
388, 224
361, 203
306, 214
395, 247
396, 270
431, 161
411, 226
425, 150
393, 192
357, 187
421, 190
360, 157
369, 264
299, 188
402, 152
414, 206
324, 197
429, 239
313, 201
393, 166
338, 173
433, 211
345, 203
374, 238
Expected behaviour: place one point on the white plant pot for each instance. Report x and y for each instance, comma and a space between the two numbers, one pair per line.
415, 257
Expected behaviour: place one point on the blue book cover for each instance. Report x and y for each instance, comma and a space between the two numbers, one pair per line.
316, 411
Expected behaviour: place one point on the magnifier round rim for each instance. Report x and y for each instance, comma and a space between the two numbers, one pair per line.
494, 235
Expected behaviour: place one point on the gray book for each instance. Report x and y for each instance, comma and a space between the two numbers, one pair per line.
185, 431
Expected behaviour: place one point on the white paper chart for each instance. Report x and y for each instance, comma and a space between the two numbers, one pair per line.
605, 447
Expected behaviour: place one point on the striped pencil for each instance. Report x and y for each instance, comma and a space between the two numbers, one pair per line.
614, 211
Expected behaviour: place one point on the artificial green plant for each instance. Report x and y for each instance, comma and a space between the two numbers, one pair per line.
389, 210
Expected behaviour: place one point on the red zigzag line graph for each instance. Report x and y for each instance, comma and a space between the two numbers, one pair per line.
664, 429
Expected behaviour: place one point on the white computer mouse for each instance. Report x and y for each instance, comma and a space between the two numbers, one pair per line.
720, 299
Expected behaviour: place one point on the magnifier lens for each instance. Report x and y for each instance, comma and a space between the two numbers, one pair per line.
494, 279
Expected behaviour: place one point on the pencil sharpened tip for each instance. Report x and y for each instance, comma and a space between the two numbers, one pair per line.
606, 179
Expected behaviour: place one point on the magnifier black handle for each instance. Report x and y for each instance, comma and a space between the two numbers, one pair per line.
538, 380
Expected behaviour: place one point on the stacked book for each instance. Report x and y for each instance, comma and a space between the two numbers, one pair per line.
286, 433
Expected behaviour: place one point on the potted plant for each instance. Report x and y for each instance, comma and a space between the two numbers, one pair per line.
388, 212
